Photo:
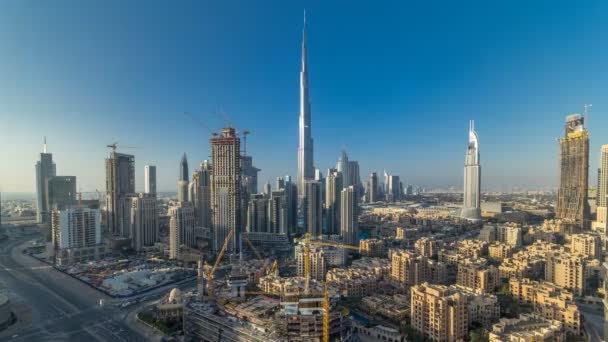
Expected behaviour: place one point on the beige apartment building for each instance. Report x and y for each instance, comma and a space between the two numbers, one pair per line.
566, 270
527, 328
588, 245
478, 276
427, 247
499, 251
409, 269
371, 247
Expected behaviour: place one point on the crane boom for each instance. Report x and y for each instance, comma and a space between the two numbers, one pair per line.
211, 270
250, 244
307, 243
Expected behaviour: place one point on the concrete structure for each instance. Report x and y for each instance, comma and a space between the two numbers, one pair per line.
333, 189
144, 221
313, 208
349, 218
120, 181
588, 245
306, 169
527, 328
150, 179
573, 176
371, 247
181, 228
226, 189
409, 269
202, 195
566, 270
471, 208
438, 313
183, 181
373, 187
59, 189
45, 168
478, 276
76, 234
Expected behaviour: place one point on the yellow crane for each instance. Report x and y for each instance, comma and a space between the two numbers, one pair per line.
307, 243
259, 256
326, 307
210, 271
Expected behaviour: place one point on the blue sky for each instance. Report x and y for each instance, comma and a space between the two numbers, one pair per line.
394, 83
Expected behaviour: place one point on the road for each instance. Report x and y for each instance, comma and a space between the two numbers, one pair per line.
52, 306
594, 320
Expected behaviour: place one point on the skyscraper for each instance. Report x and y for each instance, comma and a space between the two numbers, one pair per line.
120, 184
202, 195
573, 172
226, 188
394, 188
181, 228
277, 212
257, 214
349, 221
373, 187
313, 209
333, 189
150, 179
602, 189
306, 169
471, 208
249, 174
354, 178
44, 168
343, 167
76, 232
60, 189
183, 182
144, 221
291, 198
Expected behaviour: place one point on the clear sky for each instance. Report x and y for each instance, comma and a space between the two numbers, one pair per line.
392, 82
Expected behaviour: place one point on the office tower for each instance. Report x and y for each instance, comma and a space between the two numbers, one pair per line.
291, 198
60, 189
183, 182
257, 214
409, 190
44, 168
226, 188
267, 189
280, 183
349, 220
333, 191
76, 232
144, 221
277, 212
202, 195
120, 182
181, 228
343, 167
249, 174
150, 179
353, 175
313, 210
573, 172
394, 188
306, 169
373, 187
385, 186
438, 313
602, 190
471, 209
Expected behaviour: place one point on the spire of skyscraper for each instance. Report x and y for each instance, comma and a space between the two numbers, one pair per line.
306, 170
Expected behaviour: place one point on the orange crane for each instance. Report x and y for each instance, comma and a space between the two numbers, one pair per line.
210, 271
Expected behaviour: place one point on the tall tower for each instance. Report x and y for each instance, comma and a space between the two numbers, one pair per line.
343, 166
602, 189
349, 221
313, 207
573, 172
333, 189
150, 179
373, 187
226, 188
45, 168
182, 183
120, 184
471, 208
306, 170
144, 221
202, 195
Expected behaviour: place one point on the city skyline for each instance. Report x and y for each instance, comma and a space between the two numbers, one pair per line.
529, 123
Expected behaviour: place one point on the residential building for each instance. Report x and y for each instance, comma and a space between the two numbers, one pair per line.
181, 228
333, 196
527, 328
587, 245
409, 269
313, 208
371, 247
566, 270
478, 276
349, 218
427, 247
144, 221
120, 184
201, 195
76, 233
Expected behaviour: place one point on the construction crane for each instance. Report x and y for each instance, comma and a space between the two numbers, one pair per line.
307, 243
259, 256
210, 271
326, 306
114, 146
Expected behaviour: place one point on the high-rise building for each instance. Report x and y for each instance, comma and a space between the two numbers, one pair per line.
573, 175
226, 188
601, 222
349, 220
249, 175
183, 182
306, 169
438, 312
333, 191
120, 182
181, 228
150, 179
471, 206
373, 187
201, 195
589, 245
76, 232
44, 168
277, 212
257, 214
354, 178
267, 189
144, 221
291, 198
280, 183
394, 188
343, 167
313, 209
60, 189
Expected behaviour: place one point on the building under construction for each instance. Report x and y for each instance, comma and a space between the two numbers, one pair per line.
573, 172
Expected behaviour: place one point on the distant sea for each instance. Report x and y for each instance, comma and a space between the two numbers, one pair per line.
18, 196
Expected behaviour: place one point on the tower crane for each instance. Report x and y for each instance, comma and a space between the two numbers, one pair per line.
211, 270
114, 146
259, 256
307, 243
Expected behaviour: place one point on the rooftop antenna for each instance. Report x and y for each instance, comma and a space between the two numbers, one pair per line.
587, 106
44, 145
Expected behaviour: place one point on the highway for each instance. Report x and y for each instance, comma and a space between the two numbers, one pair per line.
52, 306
